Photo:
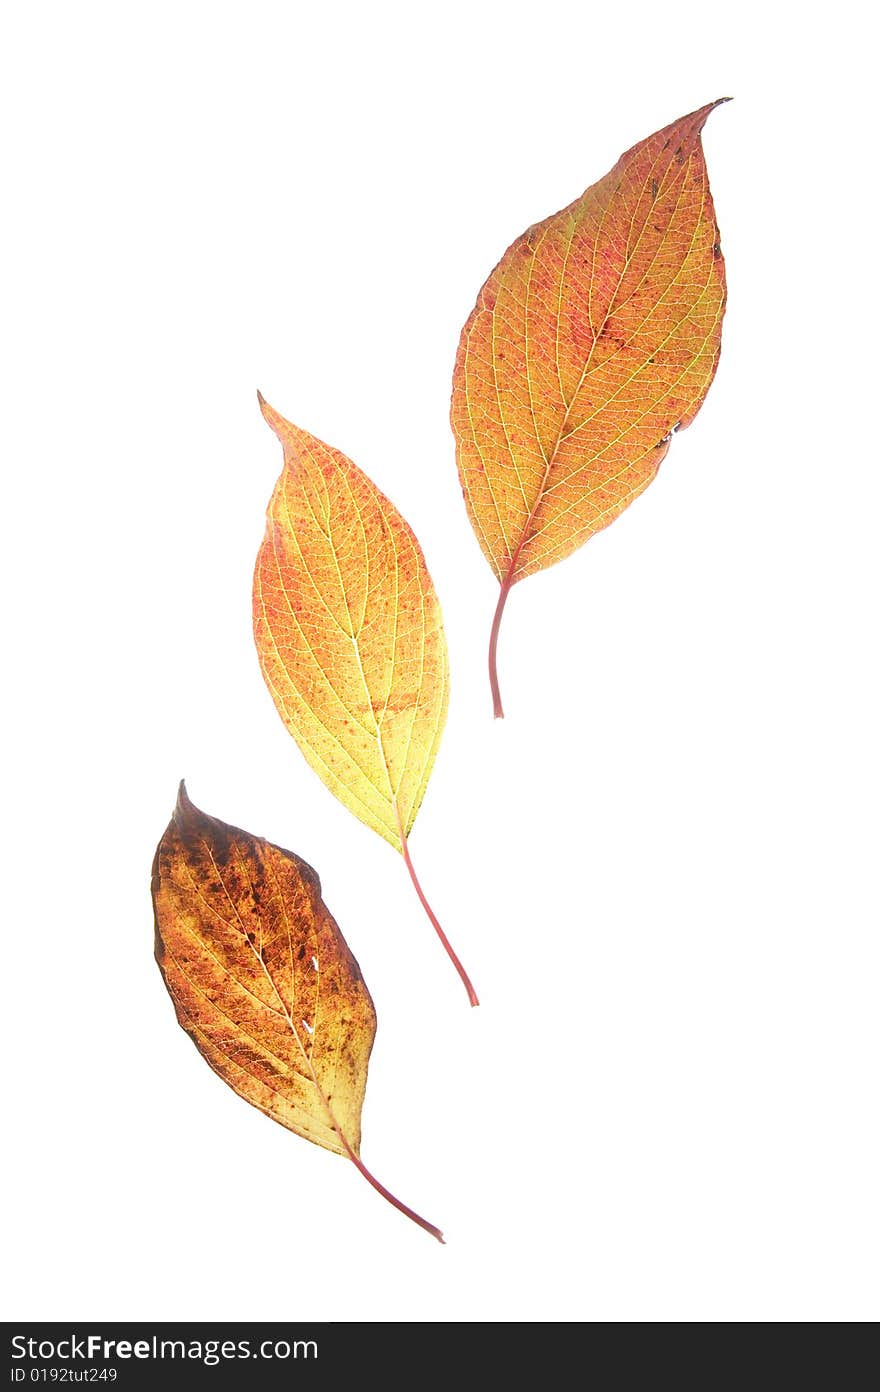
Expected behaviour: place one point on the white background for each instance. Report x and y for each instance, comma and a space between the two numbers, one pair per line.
660, 870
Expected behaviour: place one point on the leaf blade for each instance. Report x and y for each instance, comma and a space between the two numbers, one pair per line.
261, 977
349, 633
593, 339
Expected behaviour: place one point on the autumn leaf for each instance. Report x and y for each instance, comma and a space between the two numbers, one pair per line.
263, 981
350, 638
595, 338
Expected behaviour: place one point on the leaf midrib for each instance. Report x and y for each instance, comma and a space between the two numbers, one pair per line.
508, 579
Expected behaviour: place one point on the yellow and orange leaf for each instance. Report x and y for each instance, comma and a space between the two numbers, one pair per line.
350, 637
595, 338
263, 981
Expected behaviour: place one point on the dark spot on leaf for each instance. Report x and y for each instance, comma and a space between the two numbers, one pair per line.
607, 335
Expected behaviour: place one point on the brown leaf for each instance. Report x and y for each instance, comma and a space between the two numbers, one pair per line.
263, 981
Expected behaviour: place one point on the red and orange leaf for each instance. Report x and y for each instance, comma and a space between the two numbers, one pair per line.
596, 336
263, 981
350, 637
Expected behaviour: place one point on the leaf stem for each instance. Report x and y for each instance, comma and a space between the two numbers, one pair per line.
386, 1194
506, 585
472, 995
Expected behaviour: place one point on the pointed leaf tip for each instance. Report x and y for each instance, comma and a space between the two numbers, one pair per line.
706, 111
272, 418
188, 819
186, 815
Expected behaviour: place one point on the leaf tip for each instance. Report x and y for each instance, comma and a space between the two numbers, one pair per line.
186, 814
270, 415
707, 111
